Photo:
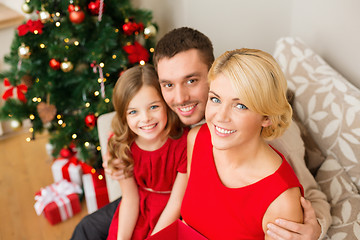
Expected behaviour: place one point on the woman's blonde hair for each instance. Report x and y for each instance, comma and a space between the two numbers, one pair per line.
127, 86
258, 79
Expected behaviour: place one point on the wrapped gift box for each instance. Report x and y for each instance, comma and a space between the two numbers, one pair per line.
69, 169
58, 201
177, 230
96, 194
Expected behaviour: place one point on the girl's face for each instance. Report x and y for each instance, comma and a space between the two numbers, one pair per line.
230, 122
146, 115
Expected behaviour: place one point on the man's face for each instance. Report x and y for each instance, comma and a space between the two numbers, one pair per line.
184, 85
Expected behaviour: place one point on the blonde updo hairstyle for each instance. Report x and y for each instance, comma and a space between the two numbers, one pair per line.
127, 86
258, 79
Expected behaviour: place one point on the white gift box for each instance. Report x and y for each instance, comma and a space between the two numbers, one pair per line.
73, 172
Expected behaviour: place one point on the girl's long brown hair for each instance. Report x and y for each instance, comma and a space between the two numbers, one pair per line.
127, 86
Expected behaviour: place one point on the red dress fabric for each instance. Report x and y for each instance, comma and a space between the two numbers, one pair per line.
219, 212
155, 170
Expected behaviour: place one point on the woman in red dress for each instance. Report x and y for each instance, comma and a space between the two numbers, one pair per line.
237, 182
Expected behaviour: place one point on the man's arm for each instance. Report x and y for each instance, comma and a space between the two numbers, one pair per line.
303, 231
117, 172
317, 217
314, 224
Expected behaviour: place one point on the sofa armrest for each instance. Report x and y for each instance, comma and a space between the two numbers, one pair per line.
104, 129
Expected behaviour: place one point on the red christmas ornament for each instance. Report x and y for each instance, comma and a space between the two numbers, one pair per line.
90, 120
66, 153
127, 28
54, 64
94, 7
136, 53
77, 16
71, 8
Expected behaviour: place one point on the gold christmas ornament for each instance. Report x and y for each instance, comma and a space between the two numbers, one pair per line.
27, 8
44, 16
24, 51
15, 124
150, 31
66, 66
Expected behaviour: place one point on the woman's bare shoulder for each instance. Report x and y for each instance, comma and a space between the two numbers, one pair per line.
286, 206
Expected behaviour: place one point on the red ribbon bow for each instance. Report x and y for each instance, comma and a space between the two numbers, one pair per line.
85, 167
14, 91
74, 160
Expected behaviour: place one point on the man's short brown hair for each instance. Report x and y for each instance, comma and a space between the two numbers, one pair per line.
183, 39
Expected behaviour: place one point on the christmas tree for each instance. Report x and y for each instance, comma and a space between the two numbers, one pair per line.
64, 62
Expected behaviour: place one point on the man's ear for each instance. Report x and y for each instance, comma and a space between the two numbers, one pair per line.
266, 122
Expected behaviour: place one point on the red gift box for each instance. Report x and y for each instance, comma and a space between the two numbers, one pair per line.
177, 230
95, 190
58, 201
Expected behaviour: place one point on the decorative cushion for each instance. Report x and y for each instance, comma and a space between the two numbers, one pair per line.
344, 199
326, 103
313, 155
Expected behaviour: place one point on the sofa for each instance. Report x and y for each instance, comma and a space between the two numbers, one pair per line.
325, 133
327, 110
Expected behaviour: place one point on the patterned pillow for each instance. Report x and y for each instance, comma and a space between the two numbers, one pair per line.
344, 199
326, 103
313, 155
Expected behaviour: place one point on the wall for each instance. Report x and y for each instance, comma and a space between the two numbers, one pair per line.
330, 27
229, 23
7, 34
6, 37
168, 14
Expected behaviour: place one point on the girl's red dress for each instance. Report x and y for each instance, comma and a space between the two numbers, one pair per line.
153, 170
219, 212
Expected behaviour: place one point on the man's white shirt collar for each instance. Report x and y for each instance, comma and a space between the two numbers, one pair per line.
199, 123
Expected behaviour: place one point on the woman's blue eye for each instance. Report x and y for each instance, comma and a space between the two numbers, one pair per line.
215, 99
241, 106
154, 107
132, 112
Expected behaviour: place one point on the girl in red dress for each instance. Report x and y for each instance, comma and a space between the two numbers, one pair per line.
237, 182
151, 144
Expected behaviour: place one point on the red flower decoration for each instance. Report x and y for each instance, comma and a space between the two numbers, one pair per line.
136, 53
14, 91
30, 26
